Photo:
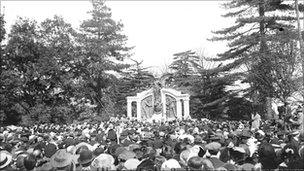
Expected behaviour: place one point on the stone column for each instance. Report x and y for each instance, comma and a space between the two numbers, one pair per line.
178, 108
138, 107
129, 109
186, 109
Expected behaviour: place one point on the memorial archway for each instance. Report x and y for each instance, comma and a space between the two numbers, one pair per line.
145, 104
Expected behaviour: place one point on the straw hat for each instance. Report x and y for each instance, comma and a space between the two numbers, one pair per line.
61, 158
103, 161
131, 164
5, 159
125, 155
90, 147
170, 164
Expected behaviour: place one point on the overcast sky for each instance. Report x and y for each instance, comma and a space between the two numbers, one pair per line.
157, 29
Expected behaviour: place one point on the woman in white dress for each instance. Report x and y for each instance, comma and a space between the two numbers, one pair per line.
256, 121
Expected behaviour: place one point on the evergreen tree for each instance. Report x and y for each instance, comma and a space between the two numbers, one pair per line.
102, 49
183, 68
257, 24
205, 85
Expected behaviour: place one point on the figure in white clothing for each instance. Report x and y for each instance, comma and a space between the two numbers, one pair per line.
297, 119
256, 120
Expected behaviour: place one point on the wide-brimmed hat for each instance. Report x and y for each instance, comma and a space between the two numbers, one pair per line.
131, 164
119, 150
239, 149
125, 155
246, 166
170, 164
214, 146
83, 145
85, 157
71, 149
5, 159
61, 158
103, 161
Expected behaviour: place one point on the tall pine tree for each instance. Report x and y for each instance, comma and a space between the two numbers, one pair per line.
102, 48
257, 24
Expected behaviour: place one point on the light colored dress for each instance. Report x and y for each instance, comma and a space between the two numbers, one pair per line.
256, 121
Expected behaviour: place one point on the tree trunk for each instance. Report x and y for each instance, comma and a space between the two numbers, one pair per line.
263, 98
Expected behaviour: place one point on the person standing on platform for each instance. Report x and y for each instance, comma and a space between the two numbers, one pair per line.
297, 121
256, 121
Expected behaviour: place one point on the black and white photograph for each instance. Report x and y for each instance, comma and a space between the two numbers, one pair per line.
151, 85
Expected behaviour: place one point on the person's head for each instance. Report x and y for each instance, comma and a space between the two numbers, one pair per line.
170, 164
213, 148
289, 154
81, 148
29, 162
146, 165
195, 163
61, 160
267, 156
167, 152
85, 158
159, 160
179, 147
131, 164
37, 153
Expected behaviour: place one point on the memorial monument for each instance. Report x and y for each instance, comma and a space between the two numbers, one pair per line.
159, 103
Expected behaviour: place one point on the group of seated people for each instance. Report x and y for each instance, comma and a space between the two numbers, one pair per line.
124, 144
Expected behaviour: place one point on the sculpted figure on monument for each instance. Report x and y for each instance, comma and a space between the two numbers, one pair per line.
157, 97
147, 107
170, 107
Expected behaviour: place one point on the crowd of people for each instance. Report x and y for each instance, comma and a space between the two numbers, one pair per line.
124, 144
